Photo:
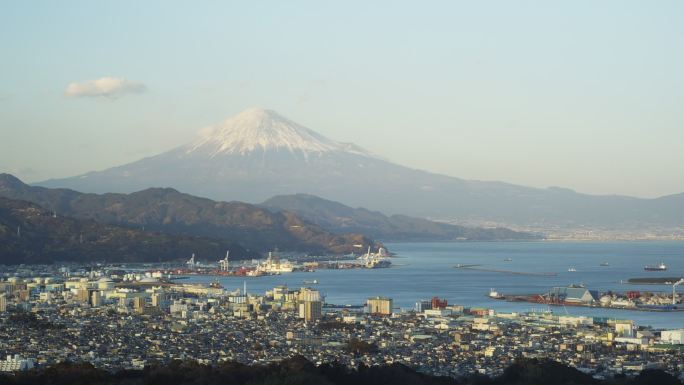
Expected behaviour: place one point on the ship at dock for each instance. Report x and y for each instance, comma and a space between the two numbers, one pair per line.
377, 260
274, 265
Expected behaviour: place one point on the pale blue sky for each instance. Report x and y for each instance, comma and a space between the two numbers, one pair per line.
581, 94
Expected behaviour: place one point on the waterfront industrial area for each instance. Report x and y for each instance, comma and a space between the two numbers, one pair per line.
581, 295
118, 318
275, 265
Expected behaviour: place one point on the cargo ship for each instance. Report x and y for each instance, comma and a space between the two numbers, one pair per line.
495, 294
376, 261
661, 267
274, 265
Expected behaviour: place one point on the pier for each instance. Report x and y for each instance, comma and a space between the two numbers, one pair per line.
502, 271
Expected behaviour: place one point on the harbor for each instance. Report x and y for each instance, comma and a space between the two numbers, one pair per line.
579, 295
274, 264
422, 269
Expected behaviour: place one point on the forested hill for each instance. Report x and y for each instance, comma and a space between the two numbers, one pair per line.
30, 234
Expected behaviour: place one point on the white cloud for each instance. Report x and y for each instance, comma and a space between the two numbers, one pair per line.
106, 87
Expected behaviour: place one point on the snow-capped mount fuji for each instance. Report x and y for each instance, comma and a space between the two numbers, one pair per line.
261, 130
258, 154
249, 157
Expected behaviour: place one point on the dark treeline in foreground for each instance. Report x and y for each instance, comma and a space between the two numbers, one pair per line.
298, 370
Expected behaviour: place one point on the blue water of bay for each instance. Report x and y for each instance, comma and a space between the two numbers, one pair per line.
423, 270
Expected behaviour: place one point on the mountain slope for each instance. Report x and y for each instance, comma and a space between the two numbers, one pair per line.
30, 234
262, 130
167, 210
259, 154
336, 217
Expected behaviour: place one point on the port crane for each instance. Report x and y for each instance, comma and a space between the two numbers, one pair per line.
191, 262
674, 290
366, 256
223, 263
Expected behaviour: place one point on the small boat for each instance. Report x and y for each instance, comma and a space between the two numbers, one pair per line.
314, 282
661, 267
495, 294
572, 269
604, 264
508, 259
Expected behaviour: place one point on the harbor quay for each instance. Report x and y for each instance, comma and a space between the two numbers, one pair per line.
133, 319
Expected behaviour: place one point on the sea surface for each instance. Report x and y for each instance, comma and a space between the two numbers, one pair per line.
423, 270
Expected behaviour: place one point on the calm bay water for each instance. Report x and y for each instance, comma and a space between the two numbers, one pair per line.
424, 270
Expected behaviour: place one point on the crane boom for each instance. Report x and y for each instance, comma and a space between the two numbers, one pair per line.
674, 290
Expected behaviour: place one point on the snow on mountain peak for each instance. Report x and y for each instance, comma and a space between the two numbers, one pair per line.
261, 129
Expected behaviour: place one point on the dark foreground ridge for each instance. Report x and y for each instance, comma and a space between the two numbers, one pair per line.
298, 370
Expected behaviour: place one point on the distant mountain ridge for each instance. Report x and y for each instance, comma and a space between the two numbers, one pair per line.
336, 217
167, 210
30, 234
259, 154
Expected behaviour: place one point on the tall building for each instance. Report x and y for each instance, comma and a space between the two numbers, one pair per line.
82, 295
158, 299
3, 303
311, 310
379, 306
310, 304
306, 294
625, 328
6, 287
139, 304
95, 299
439, 304
422, 305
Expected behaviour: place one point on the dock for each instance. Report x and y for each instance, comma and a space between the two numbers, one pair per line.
536, 298
654, 281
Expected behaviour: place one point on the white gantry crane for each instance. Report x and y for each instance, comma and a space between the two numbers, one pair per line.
674, 290
223, 263
191, 262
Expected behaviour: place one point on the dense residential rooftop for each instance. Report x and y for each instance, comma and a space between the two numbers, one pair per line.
100, 318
